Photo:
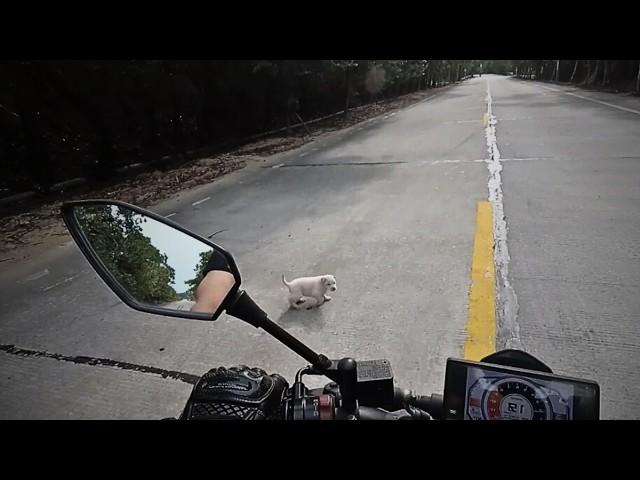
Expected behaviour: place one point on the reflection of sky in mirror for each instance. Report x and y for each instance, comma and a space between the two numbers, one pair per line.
182, 250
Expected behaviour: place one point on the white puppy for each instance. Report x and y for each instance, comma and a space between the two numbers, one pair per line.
309, 292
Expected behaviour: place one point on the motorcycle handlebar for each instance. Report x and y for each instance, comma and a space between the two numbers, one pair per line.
405, 405
432, 404
371, 413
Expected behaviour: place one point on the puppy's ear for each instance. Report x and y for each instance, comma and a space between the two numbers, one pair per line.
325, 280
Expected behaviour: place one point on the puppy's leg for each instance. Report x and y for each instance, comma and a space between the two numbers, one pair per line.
308, 304
319, 300
296, 298
326, 298
296, 301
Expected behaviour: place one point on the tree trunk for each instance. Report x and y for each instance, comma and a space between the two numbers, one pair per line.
37, 151
575, 69
303, 123
596, 73
104, 145
605, 75
557, 70
588, 75
347, 78
638, 79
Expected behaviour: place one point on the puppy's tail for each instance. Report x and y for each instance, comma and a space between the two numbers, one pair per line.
284, 280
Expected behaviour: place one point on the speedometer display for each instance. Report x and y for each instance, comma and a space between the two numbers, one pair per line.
505, 397
487, 391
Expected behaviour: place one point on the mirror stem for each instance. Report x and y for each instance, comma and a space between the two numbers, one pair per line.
244, 308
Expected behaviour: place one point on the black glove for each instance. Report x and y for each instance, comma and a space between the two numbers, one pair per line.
236, 393
216, 262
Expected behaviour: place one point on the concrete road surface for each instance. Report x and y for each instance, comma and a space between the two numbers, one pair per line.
389, 208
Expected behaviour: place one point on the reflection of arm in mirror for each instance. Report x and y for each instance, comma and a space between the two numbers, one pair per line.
216, 283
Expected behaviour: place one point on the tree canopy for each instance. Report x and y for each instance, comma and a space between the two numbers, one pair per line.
65, 119
117, 238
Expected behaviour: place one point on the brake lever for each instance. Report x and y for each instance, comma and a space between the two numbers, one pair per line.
417, 414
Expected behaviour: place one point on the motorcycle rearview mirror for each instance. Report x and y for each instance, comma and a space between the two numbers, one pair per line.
151, 263
157, 266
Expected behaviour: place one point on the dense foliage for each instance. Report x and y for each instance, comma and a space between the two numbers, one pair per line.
117, 238
65, 119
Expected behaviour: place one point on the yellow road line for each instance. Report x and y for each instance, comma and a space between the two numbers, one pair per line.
481, 326
485, 119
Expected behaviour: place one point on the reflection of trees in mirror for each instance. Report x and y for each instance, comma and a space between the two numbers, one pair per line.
194, 282
116, 236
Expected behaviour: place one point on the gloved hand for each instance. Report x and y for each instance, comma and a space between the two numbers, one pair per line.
236, 393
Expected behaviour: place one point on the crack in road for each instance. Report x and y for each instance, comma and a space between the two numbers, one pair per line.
336, 164
506, 299
103, 362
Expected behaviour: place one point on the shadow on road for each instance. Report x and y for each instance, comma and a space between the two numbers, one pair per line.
310, 320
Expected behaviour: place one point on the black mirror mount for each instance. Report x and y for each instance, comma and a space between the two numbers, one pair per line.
243, 307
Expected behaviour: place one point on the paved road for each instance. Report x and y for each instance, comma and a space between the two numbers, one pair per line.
572, 203
389, 208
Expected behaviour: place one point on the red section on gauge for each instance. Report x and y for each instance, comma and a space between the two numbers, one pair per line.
493, 405
326, 407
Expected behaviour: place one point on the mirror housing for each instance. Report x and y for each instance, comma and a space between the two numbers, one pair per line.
119, 239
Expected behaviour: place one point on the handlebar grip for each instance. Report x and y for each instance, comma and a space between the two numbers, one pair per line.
431, 404
370, 413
